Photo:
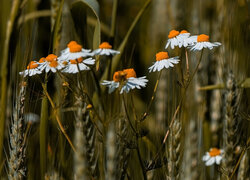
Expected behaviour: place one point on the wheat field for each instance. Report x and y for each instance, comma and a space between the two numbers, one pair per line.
125, 90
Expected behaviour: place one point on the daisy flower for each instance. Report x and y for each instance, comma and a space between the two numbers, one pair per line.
184, 39
202, 41
50, 63
105, 49
213, 156
126, 80
172, 39
32, 69
73, 51
77, 65
163, 61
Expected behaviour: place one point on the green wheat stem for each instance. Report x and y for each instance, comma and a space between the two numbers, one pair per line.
4, 70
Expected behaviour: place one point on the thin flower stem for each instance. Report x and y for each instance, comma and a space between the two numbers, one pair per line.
144, 172
152, 98
126, 112
57, 118
177, 109
187, 64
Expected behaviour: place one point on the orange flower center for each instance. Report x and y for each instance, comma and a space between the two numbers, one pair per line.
75, 48
183, 31
161, 55
51, 57
119, 76
65, 63
214, 152
203, 38
71, 43
105, 45
130, 72
75, 61
53, 64
32, 65
42, 60
124, 75
173, 33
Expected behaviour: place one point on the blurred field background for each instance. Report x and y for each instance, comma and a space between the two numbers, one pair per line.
214, 113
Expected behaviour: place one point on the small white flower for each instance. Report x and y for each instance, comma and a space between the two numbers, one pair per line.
105, 49
163, 61
77, 65
202, 41
173, 39
74, 51
183, 38
213, 156
50, 63
126, 80
32, 69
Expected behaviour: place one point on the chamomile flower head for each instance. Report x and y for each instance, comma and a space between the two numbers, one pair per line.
105, 49
77, 65
163, 61
32, 69
50, 63
213, 156
202, 41
125, 80
183, 38
73, 51
173, 39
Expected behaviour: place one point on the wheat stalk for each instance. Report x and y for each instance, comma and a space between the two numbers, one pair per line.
231, 124
16, 161
244, 169
122, 150
80, 161
175, 151
111, 151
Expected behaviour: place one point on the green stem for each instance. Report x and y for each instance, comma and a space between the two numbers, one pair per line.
4, 71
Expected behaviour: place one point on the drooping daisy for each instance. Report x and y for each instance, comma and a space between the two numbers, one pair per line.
73, 51
126, 80
213, 156
163, 61
32, 69
202, 41
105, 49
77, 65
50, 63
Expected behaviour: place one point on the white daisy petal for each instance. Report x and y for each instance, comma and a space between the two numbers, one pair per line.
218, 159
210, 161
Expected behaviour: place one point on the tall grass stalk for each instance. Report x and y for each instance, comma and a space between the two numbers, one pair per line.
4, 70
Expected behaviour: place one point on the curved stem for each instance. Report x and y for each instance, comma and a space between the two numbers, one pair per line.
58, 119
126, 112
152, 98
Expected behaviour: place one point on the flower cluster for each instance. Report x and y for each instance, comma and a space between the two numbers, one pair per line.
73, 59
184, 39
